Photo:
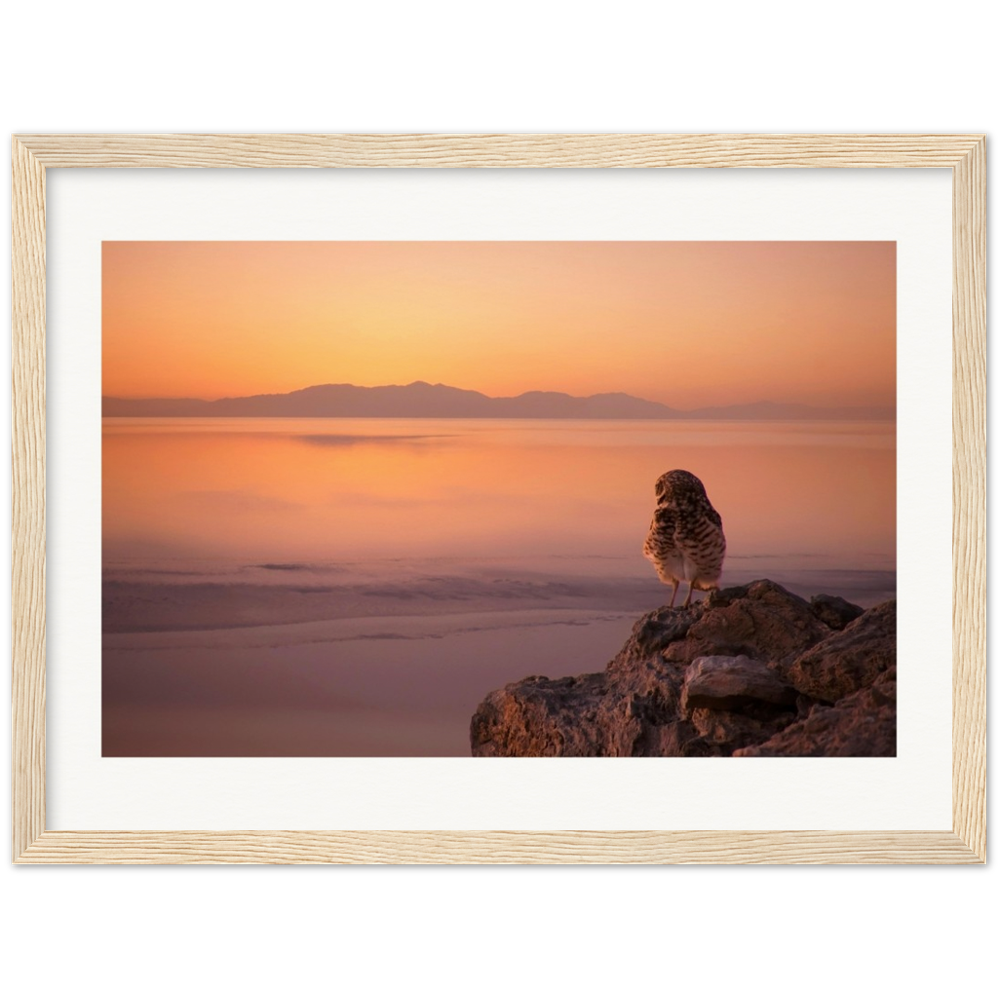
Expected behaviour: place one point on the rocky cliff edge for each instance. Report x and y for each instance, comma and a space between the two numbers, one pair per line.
751, 671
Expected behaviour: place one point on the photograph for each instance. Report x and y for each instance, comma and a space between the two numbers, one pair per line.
498, 499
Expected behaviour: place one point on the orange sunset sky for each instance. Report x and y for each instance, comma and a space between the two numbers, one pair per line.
686, 324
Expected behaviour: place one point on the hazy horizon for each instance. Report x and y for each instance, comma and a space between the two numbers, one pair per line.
538, 389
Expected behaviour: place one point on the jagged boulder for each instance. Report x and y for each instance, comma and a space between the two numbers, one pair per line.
861, 725
730, 675
848, 660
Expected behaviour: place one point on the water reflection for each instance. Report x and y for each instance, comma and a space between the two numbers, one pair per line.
260, 491
344, 587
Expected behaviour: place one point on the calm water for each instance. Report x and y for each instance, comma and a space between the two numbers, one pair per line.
277, 587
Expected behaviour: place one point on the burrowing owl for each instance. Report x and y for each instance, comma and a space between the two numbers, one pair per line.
685, 540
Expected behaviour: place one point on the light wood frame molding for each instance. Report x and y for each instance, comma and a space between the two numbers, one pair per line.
33, 152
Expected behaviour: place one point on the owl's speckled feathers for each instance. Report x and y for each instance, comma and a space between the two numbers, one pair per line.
685, 540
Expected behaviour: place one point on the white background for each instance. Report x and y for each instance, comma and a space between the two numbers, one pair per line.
911, 791
776, 62
494, 939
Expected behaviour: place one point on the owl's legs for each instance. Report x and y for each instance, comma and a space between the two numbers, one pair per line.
696, 585
673, 594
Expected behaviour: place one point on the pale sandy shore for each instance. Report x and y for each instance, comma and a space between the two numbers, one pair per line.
331, 666
388, 686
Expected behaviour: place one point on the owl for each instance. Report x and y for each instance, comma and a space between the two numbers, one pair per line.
685, 540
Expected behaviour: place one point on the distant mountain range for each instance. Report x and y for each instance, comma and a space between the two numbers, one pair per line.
420, 399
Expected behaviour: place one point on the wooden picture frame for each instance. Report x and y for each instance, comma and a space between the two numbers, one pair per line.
964, 154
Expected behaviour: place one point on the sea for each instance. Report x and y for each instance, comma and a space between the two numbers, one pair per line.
355, 587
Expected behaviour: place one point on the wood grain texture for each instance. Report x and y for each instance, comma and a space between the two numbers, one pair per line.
33, 845
969, 500
28, 489
497, 847
499, 150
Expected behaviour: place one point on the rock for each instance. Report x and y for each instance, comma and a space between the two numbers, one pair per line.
761, 620
729, 682
835, 611
745, 672
542, 718
860, 725
849, 660
725, 732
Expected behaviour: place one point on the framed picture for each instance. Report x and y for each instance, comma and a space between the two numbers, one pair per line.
537, 499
